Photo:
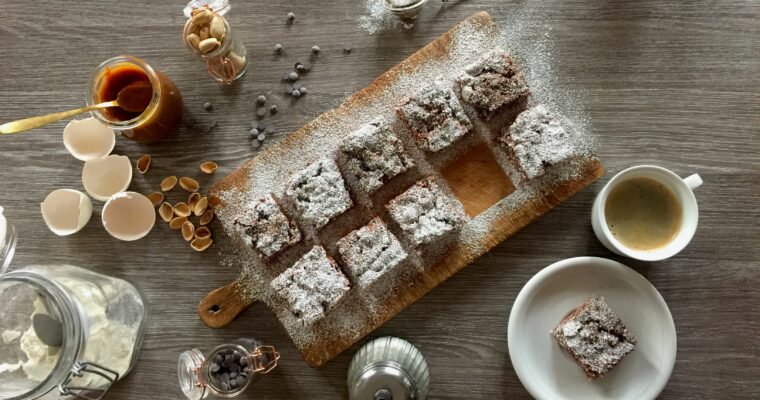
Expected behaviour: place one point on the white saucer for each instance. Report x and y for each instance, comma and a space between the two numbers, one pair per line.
548, 372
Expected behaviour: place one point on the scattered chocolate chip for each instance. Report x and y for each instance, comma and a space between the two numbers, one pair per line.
347, 47
273, 109
315, 49
296, 93
301, 68
261, 137
261, 99
303, 90
278, 48
208, 106
291, 16
255, 144
261, 111
293, 76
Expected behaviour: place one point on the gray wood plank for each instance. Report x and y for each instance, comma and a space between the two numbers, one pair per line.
664, 83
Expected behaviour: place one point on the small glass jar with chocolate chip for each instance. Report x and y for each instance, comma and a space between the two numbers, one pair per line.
208, 35
227, 370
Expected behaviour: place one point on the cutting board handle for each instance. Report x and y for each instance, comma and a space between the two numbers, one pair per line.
221, 306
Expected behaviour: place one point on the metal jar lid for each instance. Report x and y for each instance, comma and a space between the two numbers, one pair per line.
388, 368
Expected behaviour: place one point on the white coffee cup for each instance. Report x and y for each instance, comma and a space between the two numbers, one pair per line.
681, 188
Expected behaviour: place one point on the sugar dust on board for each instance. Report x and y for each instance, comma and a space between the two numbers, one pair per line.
643, 214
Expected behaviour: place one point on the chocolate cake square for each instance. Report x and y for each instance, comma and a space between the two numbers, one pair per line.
595, 337
434, 117
371, 253
266, 229
311, 286
538, 140
374, 155
492, 83
319, 193
426, 213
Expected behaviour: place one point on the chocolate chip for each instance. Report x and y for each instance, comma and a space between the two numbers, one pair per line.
48, 329
301, 68
214, 367
261, 99
315, 49
255, 144
293, 76
273, 109
261, 137
347, 47
303, 90
278, 48
291, 16
296, 93
208, 106
261, 112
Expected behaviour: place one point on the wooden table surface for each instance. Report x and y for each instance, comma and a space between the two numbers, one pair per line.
673, 85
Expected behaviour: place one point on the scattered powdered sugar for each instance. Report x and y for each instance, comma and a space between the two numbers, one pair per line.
360, 309
378, 18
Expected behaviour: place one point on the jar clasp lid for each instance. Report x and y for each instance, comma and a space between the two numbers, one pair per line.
81, 392
268, 353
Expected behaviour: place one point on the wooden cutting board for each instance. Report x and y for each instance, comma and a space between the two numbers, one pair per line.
475, 174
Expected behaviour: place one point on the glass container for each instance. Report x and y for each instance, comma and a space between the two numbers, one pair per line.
407, 10
227, 371
388, 368
160, 119
65, 332
226, 59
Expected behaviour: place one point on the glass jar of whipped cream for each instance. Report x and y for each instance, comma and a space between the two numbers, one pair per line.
65, 332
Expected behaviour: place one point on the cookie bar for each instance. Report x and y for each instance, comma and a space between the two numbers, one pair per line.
266, 229
435, 117
311, 286
319, 193
426, 213
536, 141
374, 155
370, 253
492, 83
595, 337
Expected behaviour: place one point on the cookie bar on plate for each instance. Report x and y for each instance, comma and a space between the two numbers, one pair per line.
370, 253
374, 155
426, 213
311, 286
536, 141
595, 337
434, 116
492, 83
319, 193
266, 229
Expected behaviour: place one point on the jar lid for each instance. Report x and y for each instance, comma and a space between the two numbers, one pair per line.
189, 373
31, 338
220, 7
385, 382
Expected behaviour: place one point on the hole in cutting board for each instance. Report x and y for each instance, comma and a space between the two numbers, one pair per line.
477, 179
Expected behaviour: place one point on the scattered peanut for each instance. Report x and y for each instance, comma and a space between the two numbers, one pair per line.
177, 222
168, 183
189, 184
188, 229
156, 198
166, 212
182, 210
208, 45
143, 164
216, 28
194, 40
208, 167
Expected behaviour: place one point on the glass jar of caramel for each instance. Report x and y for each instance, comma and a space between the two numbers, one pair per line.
162, 115
208, 35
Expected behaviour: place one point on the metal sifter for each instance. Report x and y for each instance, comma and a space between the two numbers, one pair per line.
388, 368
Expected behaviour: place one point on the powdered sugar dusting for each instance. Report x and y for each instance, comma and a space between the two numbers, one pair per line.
361, 310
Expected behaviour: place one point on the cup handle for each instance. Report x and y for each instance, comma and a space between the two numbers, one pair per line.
693, 181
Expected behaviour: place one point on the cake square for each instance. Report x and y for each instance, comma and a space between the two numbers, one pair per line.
374, 155
266, 229
536, 141
311, 286
426, 213
319, 193
434, 116
595, 337
492, 83
370, 252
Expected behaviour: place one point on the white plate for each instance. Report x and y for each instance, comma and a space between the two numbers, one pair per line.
548, 372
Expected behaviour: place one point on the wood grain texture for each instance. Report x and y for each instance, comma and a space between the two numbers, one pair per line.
663, 82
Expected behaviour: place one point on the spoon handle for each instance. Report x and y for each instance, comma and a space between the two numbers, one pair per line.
35, 122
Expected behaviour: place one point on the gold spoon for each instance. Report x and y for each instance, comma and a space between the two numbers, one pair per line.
134, 97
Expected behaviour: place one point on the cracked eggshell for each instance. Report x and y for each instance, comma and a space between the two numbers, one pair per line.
88, 139
128, 216
66, 211
104, 177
